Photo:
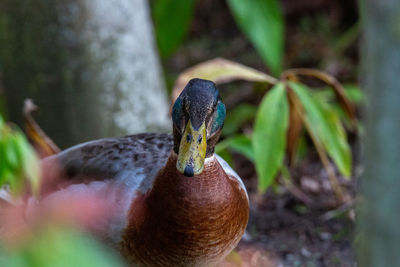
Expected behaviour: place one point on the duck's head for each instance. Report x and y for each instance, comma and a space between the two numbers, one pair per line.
198, 116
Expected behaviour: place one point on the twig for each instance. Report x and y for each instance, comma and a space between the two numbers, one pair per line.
341, 209
347, 38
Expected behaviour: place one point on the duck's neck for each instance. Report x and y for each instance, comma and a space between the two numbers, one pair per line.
188, 220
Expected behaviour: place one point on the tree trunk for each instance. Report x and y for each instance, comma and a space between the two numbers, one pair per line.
379, 220
90, 65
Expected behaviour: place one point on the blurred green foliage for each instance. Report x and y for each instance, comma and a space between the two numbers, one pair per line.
59, 247
237, 117
240, 143
171, 21
18, 160
262, 22
43, 244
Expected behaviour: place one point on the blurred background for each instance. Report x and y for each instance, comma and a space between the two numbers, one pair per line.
99, 68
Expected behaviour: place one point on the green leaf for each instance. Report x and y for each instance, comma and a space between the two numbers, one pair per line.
327, 127
171, 22
30, 162
262, 22
1, 123
11, 155
336, 108
11, 171
18, 161
241, 144
269, 137
5, 172
235, 118
3, 165
354, 93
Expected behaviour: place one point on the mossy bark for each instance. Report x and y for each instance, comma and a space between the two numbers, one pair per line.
90, 65
379, 219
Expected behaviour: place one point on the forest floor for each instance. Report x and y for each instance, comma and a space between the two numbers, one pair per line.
283, 231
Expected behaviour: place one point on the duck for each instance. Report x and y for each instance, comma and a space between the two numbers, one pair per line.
174, 201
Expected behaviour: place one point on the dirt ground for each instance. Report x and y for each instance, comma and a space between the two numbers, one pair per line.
284, 231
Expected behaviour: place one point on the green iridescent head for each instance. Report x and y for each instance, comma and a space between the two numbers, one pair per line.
198, 116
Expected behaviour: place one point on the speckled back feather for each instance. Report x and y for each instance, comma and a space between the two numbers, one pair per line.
139, 156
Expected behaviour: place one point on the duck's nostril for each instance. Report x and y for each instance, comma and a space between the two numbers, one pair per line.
188, 172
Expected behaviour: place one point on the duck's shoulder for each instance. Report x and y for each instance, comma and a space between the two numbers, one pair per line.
136, 157
231, 173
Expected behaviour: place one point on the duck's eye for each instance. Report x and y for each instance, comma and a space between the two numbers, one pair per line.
200, 139
188, 138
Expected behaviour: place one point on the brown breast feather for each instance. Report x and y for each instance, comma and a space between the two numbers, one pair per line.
186, 221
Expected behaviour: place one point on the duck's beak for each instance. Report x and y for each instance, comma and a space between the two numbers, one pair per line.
192, 150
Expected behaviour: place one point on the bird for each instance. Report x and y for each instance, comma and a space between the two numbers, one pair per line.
174, 201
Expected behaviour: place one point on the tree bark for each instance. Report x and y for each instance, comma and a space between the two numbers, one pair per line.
90, 65
379, 220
